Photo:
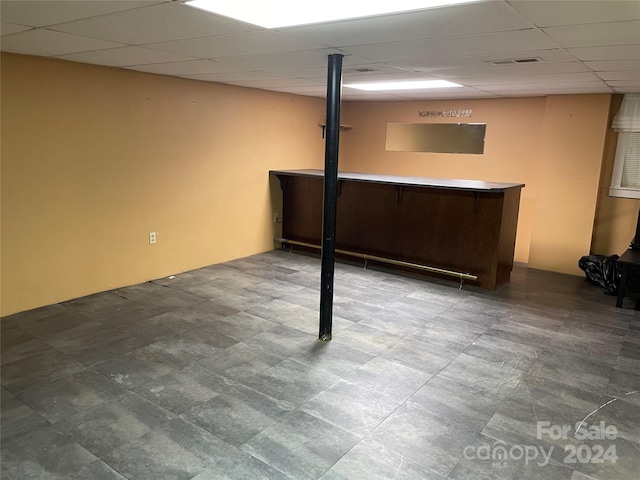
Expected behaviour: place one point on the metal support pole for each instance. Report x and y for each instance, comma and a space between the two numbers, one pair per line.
334, 96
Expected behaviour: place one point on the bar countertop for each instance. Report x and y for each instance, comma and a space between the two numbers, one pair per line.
444, 183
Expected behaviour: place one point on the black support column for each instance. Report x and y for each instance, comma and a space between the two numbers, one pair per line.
334, 97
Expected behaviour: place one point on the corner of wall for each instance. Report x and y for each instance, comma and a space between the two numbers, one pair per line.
571, 152
615, 219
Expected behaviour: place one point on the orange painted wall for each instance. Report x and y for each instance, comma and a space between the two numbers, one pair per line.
553, 144
571, 151
95, 158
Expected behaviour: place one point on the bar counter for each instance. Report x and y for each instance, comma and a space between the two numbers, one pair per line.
465, 227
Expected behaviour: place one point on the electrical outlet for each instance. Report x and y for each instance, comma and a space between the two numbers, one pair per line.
152, 237
276, 217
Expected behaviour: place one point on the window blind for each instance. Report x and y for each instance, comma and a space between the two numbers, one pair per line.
631, 159
625, 181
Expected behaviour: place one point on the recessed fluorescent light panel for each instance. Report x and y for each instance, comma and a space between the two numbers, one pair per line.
286, 13
415, 85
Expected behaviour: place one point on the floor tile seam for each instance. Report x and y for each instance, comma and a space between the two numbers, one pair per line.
372, 432
626, 397
43, 336
281, 320
143, 306
475, 439
94, 364
472, 344
276, 401
362, 439
595, 327
399, 404
587, 335
370, 426
578, 357
69, 357
4, 365
538, 327
89, 313
357, 323
72, 441
90, 451
577, 362
501, 398
17, 435
139, 348
127, 390
192, 280
24, 398
161, 428
249, 451
514, 340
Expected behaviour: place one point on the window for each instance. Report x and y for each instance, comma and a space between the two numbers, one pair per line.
625, 181
626, 170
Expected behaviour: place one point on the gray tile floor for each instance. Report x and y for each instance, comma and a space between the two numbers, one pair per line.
217, 374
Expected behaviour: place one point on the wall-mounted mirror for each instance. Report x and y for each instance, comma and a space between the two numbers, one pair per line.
436, 137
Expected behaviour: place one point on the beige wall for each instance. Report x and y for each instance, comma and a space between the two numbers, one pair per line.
571, 150
93, 159
552, 144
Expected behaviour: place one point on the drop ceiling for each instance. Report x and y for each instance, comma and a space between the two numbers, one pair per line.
582, 46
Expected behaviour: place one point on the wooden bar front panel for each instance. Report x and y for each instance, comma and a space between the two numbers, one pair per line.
462, 230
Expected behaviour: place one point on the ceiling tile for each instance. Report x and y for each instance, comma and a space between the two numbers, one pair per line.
370, 68
626, 83
633, 89
371, 97
387, 77
489, 70
489, 43
604, 65
125, 56
599, 34
553, 13
315, 91
288, 60
548, 56
357, 95
622, 86
319, 71
620, 75
264, 41
467, 93
38, 13
545, 86
550, 79
46, 43
437, 22
278, 82
157, 23
618, 52
232, 76
348, 70
184, 68
11, 28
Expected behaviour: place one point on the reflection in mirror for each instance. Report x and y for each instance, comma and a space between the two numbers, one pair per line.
436, 137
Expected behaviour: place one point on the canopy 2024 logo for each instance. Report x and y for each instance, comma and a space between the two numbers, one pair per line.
500, 453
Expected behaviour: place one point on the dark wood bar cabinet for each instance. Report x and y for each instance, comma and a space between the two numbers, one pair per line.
459, 228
